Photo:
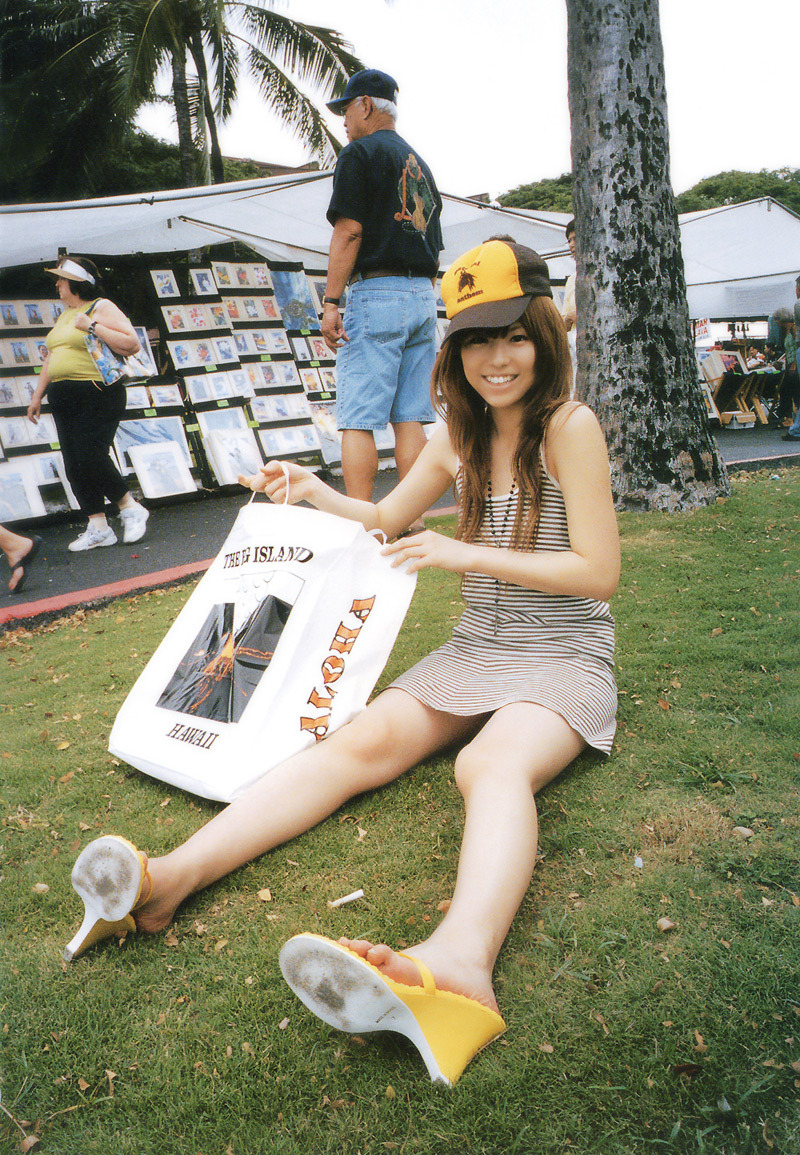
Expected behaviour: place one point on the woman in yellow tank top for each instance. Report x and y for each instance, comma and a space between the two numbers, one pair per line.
85, 411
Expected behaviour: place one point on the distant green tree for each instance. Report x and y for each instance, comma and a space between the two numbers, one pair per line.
733, 188
74, 73
553, 195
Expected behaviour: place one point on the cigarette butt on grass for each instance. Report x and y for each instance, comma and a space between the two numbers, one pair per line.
347, 898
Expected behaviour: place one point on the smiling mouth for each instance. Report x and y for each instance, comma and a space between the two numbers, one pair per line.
498, 380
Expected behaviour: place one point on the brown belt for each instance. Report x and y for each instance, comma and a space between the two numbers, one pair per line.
385, 273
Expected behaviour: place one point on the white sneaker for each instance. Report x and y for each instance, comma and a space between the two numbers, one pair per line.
134, 523
92, 538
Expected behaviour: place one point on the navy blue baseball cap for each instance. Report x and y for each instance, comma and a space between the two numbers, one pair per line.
368, 82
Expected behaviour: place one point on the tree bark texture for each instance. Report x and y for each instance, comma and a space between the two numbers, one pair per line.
636, 364
180, 94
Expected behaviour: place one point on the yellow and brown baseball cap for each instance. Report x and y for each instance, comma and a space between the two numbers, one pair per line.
491, 286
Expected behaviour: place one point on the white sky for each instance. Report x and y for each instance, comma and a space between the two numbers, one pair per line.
483, 87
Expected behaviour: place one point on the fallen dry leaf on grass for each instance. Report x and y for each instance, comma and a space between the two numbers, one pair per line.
665, 924
265, 895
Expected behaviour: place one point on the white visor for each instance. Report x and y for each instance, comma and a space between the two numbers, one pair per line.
72, 271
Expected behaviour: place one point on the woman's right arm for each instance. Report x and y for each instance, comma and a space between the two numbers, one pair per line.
429, 477
35, 407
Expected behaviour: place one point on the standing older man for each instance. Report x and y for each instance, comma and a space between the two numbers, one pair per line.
385, 212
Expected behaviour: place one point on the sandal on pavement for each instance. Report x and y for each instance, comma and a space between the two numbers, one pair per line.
349, 993
24, 563
109, 875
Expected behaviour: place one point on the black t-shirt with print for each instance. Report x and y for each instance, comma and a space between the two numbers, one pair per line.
381, 182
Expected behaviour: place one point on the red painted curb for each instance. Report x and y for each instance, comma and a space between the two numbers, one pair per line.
101, 593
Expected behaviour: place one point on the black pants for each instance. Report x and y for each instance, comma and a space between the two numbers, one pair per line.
86, 419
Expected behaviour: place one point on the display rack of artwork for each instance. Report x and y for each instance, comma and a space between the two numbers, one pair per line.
32, 481
259, 300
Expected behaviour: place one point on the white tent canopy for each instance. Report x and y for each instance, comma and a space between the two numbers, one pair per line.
280, 217
741, 260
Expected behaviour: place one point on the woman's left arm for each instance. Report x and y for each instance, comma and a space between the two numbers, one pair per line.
578, 459
111, 326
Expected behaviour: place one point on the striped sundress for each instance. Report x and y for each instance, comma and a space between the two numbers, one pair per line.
515, 644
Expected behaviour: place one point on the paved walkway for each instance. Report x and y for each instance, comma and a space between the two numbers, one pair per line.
184, 536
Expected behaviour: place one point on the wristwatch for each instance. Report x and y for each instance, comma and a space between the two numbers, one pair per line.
91, 327
331, 301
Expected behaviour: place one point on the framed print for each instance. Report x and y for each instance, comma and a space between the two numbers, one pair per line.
231, 306
174, 318
240, 383
203, 282
277, 341
165, 283
18, 351
287, 373
204, 352
244, 342
297, 307
38, 350
9, 318
16, 432
270, 442
9, 394
19, 493
197, 387
219, 316
55, 309
33, 314
166, 396
44, 431
212, 420
311, 381
26, 387
137, 397
327, 377
316, 287
263, 409
147, 431
260, 275
146, 351
224, 349
161, 469
51, 479
197, 316
222, 274
269, 309
319, 350
323, 414
234, 452
219, 386
301, 349
251, 308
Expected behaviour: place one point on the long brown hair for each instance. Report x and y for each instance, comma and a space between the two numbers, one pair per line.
469, 421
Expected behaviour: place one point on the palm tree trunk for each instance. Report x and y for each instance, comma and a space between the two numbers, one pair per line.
184, 120
636, 360
217, 169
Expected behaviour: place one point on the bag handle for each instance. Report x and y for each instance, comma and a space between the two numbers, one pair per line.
285, 471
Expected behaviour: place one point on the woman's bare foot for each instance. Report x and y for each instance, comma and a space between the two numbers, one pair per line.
457, 976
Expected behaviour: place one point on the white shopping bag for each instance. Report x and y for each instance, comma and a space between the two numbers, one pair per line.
280, 644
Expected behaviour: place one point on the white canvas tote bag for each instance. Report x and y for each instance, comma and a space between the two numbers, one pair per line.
281, 643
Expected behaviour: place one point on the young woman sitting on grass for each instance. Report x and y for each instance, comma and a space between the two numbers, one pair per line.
524, 685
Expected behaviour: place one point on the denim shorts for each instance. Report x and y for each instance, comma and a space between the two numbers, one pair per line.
383, 373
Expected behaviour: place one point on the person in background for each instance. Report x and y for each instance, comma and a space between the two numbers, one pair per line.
87, 412
791, 381
20, 553
568, 309
385, 210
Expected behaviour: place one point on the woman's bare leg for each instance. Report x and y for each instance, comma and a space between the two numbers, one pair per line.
520, 749
393, 734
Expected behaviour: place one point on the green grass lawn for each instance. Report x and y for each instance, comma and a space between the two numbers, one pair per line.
622, 1038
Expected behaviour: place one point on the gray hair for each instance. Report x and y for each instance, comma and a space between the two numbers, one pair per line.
383, 105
